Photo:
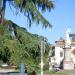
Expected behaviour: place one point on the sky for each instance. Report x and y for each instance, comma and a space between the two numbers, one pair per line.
61, 18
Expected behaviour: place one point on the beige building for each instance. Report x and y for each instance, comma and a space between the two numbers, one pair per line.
64, 52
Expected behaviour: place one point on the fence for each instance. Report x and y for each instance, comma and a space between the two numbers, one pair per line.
13, 73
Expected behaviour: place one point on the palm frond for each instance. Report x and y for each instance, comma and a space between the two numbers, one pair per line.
29, 7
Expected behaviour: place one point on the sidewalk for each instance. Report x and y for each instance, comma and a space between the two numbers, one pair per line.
71, 72
6, 70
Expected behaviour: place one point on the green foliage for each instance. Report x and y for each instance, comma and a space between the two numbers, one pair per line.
22, 47
2, 30
5, 54
31, 9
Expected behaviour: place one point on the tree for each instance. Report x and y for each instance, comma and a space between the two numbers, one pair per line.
23, 48
30, 9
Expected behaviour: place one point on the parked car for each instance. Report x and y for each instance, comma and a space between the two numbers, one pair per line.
56, 67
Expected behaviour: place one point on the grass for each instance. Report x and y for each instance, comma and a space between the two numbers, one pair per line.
54, 73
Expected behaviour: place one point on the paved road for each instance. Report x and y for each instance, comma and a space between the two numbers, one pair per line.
68, 72
71, 73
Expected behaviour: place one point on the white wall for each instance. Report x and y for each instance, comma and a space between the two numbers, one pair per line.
57, 54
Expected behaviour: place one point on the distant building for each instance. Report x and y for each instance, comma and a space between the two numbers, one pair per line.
64, 52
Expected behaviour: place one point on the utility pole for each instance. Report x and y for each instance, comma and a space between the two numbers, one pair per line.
42, 53
41, 57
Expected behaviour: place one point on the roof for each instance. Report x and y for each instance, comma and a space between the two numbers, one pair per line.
60, 43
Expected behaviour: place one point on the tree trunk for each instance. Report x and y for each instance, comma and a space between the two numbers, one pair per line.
3, 8
2, 11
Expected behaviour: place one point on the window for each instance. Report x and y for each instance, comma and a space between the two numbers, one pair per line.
73, 51
61, 54
53, 51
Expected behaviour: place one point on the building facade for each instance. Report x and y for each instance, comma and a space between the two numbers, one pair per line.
64, 52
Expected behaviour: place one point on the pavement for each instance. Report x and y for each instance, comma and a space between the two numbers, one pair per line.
71, 72
67, 72
6, 70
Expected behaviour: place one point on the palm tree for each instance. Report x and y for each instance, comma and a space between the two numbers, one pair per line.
30, 8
